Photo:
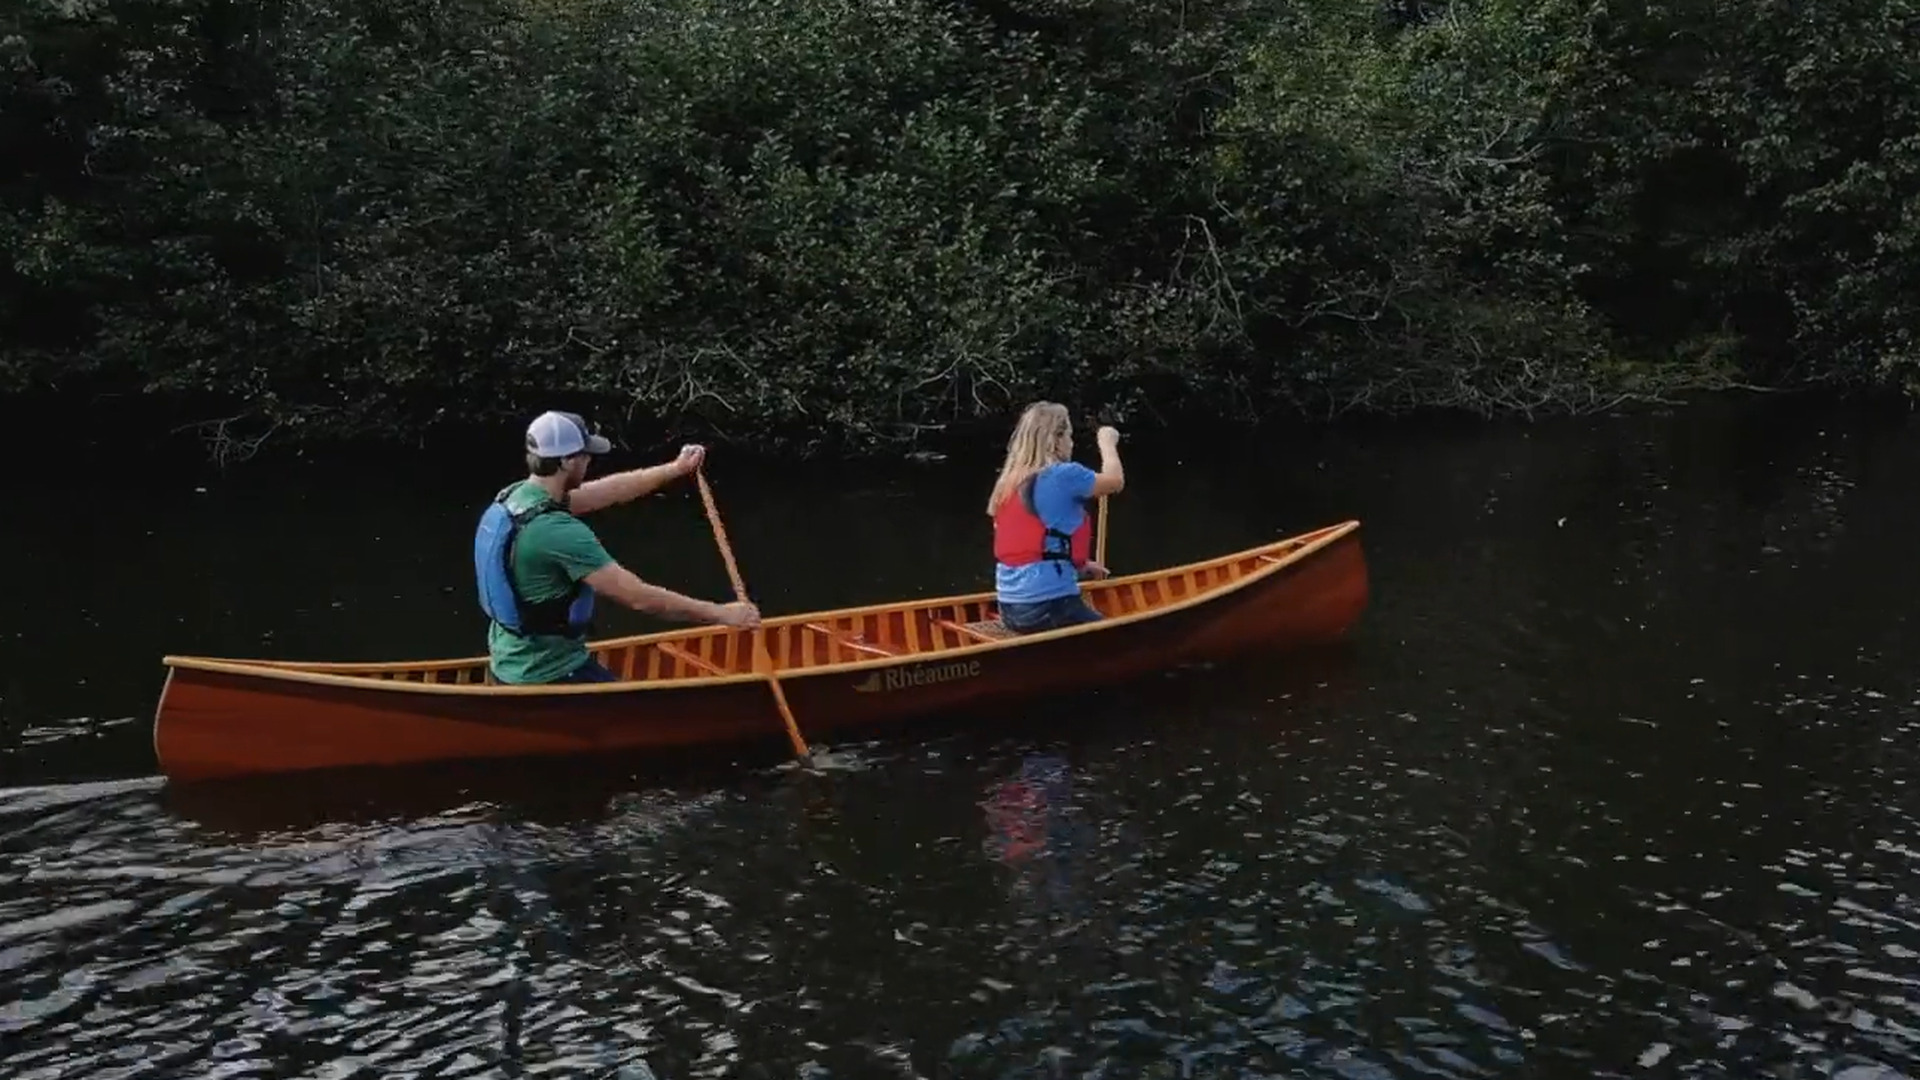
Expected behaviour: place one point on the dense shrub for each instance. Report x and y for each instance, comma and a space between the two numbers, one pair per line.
857, 222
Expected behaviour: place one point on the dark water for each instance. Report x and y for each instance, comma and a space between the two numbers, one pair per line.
1617, 778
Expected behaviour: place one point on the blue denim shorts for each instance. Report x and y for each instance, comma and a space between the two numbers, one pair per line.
1048, 614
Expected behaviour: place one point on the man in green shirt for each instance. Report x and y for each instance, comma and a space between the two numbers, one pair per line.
540, 567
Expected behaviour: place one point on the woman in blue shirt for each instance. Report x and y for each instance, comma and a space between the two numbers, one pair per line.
1040, 522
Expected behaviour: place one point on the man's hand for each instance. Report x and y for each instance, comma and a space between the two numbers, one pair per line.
692, 456
1093, 570
742, 616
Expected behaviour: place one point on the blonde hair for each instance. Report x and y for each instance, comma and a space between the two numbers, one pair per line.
1034, 445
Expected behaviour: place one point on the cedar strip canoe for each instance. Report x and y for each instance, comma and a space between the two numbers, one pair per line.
696, 686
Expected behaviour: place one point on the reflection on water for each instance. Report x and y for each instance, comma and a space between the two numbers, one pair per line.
1031, 827
1618, 780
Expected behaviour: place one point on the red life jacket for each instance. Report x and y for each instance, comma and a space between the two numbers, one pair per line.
1020, 537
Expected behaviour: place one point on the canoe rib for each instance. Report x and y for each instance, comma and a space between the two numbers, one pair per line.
695, 685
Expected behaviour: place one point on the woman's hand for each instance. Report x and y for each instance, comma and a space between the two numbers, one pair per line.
1093, 570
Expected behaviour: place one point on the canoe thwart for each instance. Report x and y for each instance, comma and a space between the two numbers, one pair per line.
852, 641
690, 659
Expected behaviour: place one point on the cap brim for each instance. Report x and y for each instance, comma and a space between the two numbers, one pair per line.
598, 444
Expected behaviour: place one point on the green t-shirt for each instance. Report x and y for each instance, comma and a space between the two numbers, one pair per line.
551, 553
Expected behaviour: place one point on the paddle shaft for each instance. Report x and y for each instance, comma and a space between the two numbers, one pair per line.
1100, 535
761, 658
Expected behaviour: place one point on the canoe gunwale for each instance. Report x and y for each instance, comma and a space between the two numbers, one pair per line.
353, 674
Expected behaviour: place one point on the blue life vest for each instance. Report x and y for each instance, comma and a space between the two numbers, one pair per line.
500, 598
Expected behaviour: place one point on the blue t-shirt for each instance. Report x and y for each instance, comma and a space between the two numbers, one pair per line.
1057, 494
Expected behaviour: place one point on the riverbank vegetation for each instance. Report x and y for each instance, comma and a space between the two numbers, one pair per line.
867, 221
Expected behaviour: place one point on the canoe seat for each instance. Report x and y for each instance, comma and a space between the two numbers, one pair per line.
984, 630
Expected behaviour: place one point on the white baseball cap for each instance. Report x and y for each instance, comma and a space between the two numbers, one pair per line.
563, 434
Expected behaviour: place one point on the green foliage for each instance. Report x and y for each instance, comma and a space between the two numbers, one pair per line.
1753, 169
1389, 214
854, 223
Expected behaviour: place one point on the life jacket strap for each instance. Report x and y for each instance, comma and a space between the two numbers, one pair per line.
1065, 554
549, 617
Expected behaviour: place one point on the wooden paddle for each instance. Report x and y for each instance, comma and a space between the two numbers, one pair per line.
1100, 532
761, 659
1100, 536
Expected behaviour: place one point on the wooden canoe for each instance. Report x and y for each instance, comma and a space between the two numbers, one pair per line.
691, 686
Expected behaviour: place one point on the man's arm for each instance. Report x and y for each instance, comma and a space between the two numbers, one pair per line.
623, 586
634, 483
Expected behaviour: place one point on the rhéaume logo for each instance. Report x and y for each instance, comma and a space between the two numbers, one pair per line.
889, 679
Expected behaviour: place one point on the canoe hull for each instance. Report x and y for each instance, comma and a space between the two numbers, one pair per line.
224, 720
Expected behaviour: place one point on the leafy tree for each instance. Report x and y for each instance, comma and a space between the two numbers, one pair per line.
853, 224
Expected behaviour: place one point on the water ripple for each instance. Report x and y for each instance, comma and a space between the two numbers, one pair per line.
1617, 781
